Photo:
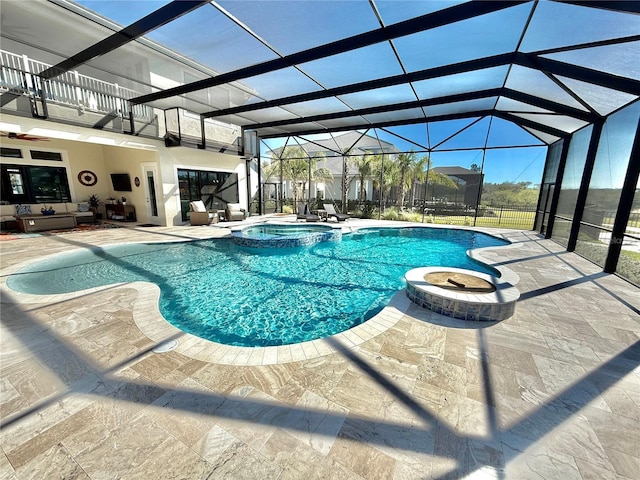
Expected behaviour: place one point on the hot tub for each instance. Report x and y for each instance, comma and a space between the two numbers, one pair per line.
285, 235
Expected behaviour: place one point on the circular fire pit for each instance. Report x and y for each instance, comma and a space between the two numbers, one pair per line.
460, 282
462, 294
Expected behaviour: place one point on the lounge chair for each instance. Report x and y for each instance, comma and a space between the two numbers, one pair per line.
304, 214
233, 212
331, 212
199, 214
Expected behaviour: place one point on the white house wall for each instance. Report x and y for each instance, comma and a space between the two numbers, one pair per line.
174, 158
81, 149
104, 152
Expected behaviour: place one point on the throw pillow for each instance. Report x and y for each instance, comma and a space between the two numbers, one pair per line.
23, 209
198, 206
83, 207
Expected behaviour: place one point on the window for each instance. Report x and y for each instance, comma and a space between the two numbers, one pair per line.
17, 183
34, 184
576, 158
629, 263
52, 156
10, 152
215, 189
607, 179
548, 186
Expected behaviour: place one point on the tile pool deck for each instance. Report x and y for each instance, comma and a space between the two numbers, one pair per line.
552, 392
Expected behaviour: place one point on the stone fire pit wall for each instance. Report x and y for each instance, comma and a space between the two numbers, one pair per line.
485, 307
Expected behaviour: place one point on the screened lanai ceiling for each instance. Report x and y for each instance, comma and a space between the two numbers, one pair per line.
284, 68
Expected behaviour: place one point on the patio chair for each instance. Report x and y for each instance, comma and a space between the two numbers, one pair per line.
199, 215
304, 214
331, 212
233, 212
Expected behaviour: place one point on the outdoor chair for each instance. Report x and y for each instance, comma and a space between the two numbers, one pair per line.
233, 212
331, 212
304, 214
199, 215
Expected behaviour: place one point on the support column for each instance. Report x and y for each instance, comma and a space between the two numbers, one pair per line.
203, 136
308, 189
260, 200
247, 173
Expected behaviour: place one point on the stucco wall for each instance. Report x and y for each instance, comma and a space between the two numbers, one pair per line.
171, 159
76, 157
82, 152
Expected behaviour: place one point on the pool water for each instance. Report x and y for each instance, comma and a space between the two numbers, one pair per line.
251, 297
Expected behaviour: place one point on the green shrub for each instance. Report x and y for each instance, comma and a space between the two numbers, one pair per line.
390, 214
367, 210
408, 216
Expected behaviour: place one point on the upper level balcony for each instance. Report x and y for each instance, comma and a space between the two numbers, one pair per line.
71, 97
79, 99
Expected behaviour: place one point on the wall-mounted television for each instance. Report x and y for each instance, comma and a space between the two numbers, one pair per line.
121, 182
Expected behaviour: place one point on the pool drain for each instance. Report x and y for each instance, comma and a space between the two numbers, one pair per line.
165, 346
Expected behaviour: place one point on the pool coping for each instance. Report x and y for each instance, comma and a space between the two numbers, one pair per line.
149, 320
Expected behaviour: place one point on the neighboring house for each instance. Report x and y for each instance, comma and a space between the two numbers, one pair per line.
65, 138
330, 150
469, 184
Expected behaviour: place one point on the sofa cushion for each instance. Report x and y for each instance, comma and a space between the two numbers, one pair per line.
23, 209
58, 207
234, 207
7, 210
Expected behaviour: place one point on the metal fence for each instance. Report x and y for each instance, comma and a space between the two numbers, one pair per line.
503, 216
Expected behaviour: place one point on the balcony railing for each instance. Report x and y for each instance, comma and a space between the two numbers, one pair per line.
19, 74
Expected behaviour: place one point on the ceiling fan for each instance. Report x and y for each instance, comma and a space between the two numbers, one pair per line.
23, 136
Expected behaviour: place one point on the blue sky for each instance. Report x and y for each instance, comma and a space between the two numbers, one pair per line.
519, 164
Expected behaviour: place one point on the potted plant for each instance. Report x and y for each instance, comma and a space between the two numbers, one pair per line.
94, 203
124, 200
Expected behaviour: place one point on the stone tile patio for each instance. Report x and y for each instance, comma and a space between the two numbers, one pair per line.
553, 392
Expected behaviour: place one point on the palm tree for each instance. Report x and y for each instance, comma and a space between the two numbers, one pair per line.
418, 174
346, 181
384, 172
318, 174
412, 170
299, 168
405, 164
364, 164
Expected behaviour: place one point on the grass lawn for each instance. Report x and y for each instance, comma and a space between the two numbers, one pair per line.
508, 219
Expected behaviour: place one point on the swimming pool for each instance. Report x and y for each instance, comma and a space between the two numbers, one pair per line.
234, 295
